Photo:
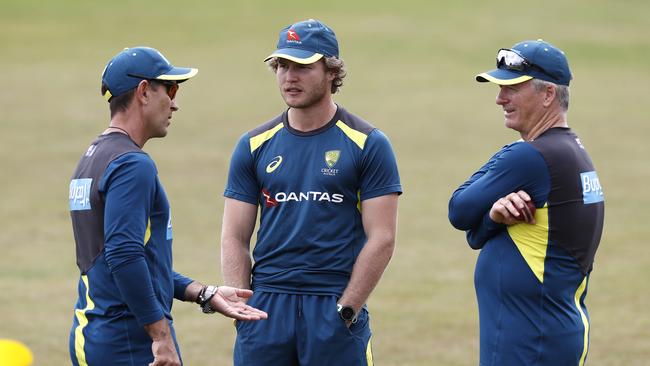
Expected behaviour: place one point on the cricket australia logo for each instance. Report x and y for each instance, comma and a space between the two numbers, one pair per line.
331, 158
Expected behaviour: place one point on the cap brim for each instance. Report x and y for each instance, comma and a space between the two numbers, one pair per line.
296, 55
179, 74
502, 77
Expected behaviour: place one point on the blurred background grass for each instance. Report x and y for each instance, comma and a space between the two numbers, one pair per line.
411, 66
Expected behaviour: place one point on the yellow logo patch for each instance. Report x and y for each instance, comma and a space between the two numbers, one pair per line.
331, 157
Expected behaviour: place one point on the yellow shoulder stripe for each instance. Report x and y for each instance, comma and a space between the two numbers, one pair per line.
359, 138
257, 141
532, 241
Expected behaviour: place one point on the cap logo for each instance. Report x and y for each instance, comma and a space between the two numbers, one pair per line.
292, 36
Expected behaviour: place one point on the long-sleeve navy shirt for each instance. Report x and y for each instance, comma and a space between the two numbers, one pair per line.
531, 280
122, 224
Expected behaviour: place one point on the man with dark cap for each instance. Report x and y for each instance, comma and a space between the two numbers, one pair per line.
535, 210
122, 227
326, 184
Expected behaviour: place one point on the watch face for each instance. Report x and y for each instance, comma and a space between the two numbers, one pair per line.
347, 313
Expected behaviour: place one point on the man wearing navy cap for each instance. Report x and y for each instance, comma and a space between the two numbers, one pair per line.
122, 227
326, 184
535, 210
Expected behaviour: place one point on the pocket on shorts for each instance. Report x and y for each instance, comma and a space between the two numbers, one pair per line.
361, 326
359, 329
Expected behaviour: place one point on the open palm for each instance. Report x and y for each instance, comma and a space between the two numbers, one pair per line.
231, 302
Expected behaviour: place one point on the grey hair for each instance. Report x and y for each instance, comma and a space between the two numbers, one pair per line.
333, 64
561, 92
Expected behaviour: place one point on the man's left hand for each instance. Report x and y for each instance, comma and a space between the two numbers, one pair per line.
509, 210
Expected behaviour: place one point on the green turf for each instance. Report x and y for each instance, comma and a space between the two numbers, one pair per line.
411, 66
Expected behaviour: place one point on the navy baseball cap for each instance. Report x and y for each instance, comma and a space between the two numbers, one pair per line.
125, 71
306, 42
527, 60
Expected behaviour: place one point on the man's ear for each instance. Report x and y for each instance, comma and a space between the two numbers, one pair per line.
142, 92
549, 95
331, 75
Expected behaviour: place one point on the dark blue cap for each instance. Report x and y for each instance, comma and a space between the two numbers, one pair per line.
306, 42
547, 62
125, 71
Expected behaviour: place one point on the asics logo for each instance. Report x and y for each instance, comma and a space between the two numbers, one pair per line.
274, 164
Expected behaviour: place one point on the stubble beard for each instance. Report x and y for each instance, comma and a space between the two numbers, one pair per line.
312, 98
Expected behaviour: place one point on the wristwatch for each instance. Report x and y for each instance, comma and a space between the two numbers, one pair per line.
346, 313
204, 299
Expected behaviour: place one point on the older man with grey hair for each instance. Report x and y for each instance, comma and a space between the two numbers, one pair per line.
535, 210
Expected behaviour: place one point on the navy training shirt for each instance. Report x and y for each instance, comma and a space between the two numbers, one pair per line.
531, 280
309, 187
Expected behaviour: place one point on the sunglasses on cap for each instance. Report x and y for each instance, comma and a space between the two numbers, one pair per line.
171, 87
512, 60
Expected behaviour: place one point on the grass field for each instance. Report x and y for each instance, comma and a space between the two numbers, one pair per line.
411, 66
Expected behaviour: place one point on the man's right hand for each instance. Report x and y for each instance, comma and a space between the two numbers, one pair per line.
162, 346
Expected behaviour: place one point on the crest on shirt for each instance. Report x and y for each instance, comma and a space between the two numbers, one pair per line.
331, 157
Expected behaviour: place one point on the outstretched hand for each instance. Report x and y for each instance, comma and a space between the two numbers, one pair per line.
231, 302
512, 209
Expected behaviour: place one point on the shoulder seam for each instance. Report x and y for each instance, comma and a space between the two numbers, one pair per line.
259, 139
356, 136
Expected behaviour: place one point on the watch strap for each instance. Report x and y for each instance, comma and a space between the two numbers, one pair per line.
204, 298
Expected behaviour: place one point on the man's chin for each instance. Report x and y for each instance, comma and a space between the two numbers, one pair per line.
160, 134
294, 103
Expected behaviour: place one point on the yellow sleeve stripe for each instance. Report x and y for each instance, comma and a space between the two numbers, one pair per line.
257, 141
147, 234
359, 138
79, 340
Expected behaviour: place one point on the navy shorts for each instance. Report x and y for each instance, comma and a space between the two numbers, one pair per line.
302, 330
114, 343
